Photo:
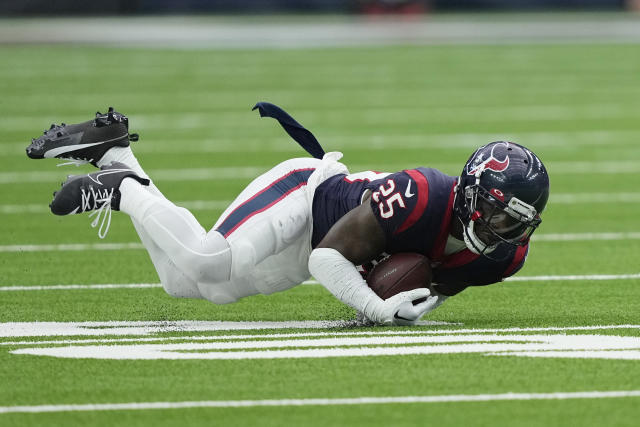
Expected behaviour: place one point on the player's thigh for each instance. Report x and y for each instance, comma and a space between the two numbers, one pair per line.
269, 232
288, 173
285, 269
275, 273
271, 214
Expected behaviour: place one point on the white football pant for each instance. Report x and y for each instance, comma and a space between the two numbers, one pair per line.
260, 244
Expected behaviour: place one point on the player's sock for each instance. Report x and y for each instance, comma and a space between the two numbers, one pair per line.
126, 156
122, 155
135, 200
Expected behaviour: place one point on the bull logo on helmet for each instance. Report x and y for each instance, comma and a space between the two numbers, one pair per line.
492, 163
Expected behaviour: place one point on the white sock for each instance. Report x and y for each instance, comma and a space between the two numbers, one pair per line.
126, 156
122, 155
135, 199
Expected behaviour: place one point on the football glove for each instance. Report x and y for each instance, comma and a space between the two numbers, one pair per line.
401, 308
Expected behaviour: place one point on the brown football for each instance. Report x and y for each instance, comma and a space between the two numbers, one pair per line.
399, 273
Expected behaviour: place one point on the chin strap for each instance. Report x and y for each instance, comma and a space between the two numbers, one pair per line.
474, 244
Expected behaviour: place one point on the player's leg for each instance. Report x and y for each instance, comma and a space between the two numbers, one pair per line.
102, 141
175, 232
177, 244
174, 280
270, 215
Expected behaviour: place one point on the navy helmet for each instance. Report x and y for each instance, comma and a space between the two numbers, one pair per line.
500, 195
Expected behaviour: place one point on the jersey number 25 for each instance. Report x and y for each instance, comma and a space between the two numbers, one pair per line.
385, 198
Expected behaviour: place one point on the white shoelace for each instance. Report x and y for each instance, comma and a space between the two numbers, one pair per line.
101, 208
76, 162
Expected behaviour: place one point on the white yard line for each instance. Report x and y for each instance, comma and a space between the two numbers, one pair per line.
137, 328
560, 198
567, 237
189, 204
249, 172
201, 119
610, 138
145, 328
72, 247
577, 198
78, 287
573, 277
321, 401
214, 337
400, 332
541, 237
543, 278
185, 174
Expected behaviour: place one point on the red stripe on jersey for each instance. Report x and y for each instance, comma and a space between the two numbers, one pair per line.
445, 227
459, 258
351, 181
518, 259
421, 204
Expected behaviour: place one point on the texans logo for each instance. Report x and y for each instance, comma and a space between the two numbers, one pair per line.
491, 163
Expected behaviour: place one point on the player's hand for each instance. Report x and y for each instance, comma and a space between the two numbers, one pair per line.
400, 308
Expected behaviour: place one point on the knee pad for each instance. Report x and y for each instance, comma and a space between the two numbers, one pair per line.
243, 258
178, 290
198, 254
217, 293
176, 283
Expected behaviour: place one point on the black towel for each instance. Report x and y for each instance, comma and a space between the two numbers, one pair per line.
301, 135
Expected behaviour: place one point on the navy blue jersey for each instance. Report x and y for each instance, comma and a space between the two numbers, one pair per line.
415, 210
335, 197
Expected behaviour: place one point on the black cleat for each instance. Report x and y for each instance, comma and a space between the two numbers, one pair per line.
84, 142
97, 191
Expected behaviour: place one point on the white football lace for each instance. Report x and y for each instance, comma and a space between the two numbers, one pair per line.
100, 202
76, 162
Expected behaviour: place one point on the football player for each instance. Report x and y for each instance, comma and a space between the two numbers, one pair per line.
310, 216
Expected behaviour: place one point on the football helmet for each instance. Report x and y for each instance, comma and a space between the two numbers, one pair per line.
499, 196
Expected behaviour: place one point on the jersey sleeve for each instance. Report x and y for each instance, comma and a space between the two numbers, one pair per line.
398, 201
518, 261
479, 272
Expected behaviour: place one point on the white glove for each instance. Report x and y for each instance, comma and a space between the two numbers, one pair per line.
400, 310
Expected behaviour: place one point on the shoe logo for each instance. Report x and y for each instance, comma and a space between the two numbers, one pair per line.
70, 145
395, 316
408, 192
96, 177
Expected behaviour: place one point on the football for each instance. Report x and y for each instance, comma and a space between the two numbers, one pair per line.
399, 273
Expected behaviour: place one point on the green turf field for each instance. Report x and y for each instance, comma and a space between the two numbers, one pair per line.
576, 106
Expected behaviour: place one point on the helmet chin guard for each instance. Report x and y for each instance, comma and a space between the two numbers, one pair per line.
499, 196
474, 244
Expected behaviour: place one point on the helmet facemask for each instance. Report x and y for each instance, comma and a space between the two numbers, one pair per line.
491, 221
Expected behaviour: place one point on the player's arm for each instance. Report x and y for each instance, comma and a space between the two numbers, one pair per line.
357, 235
357, 238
